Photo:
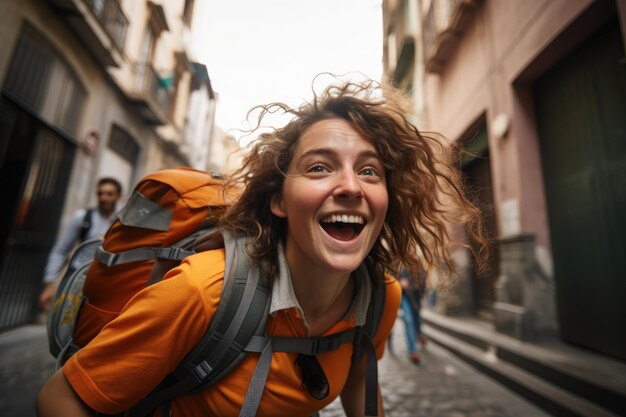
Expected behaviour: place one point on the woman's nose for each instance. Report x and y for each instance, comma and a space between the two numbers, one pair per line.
348, 186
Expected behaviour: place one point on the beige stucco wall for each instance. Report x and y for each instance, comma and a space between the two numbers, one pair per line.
225, 154
104, 105
177, 38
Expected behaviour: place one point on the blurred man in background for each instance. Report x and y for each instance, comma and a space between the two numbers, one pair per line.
85, 224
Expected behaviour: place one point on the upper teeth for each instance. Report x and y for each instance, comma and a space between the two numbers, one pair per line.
343, 218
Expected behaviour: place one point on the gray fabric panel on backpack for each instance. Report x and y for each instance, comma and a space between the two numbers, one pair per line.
68, 299
142, 212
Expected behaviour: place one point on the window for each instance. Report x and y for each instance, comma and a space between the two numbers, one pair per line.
40, 79
188, 12
123, 144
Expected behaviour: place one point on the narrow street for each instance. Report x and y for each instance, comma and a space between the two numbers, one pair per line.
441, 386
495, 140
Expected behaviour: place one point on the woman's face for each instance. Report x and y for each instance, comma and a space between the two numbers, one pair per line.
334, 198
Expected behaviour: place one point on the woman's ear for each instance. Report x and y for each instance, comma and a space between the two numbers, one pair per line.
276, 206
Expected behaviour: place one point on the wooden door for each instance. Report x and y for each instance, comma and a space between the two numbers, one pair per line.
581, 109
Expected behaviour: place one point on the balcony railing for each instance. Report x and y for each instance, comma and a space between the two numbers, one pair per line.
401, 30
444, 22
431, 25
112, 19
150, 89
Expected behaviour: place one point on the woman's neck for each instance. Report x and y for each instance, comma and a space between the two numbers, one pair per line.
323, 295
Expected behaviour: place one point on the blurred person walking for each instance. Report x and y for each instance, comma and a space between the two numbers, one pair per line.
410, 306
86, 223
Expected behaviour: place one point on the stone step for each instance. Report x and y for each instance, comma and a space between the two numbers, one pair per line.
545, 395
561, 379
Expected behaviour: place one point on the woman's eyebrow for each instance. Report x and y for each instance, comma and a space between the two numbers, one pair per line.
319, 152
329, 152
369, 154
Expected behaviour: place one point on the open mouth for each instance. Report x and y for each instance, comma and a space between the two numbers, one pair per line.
344, 227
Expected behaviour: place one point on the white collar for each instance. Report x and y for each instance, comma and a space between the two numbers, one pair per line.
284, 297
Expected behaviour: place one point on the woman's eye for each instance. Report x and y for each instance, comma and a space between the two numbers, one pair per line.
318, 168
370, 171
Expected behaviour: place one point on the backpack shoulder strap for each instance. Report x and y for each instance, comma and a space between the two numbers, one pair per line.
376, 308
241, 313
86, 224
363, 345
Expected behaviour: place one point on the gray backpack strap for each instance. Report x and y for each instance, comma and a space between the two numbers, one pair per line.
371, 378
376, 308
187, 245
307, 346
266, 345
363, 344
242, 312
85, 225
257, 382
167, 257
141, 254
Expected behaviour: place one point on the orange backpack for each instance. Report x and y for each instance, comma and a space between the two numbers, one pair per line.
155, 230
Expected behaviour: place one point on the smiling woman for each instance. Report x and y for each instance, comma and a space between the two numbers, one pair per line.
424, 192
335, 175
331, 203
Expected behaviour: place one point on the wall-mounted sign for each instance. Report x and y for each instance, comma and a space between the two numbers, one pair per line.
90, 143
510, 217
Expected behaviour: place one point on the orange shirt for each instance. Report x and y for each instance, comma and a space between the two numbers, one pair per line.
162, 323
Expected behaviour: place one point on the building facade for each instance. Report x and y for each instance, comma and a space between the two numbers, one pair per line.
225, 154
535, 92
89, 88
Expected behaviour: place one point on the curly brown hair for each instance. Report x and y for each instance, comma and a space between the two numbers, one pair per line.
425, 196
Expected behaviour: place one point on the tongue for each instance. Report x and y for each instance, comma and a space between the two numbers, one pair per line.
340, 231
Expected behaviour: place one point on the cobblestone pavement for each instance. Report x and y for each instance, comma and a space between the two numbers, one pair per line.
25, 365
442, 386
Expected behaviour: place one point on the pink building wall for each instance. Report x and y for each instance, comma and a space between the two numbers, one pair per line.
506, 46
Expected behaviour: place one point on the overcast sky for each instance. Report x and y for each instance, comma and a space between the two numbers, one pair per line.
260, 51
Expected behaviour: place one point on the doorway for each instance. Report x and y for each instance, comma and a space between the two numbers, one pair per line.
581, 118
476, 168
36, 166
